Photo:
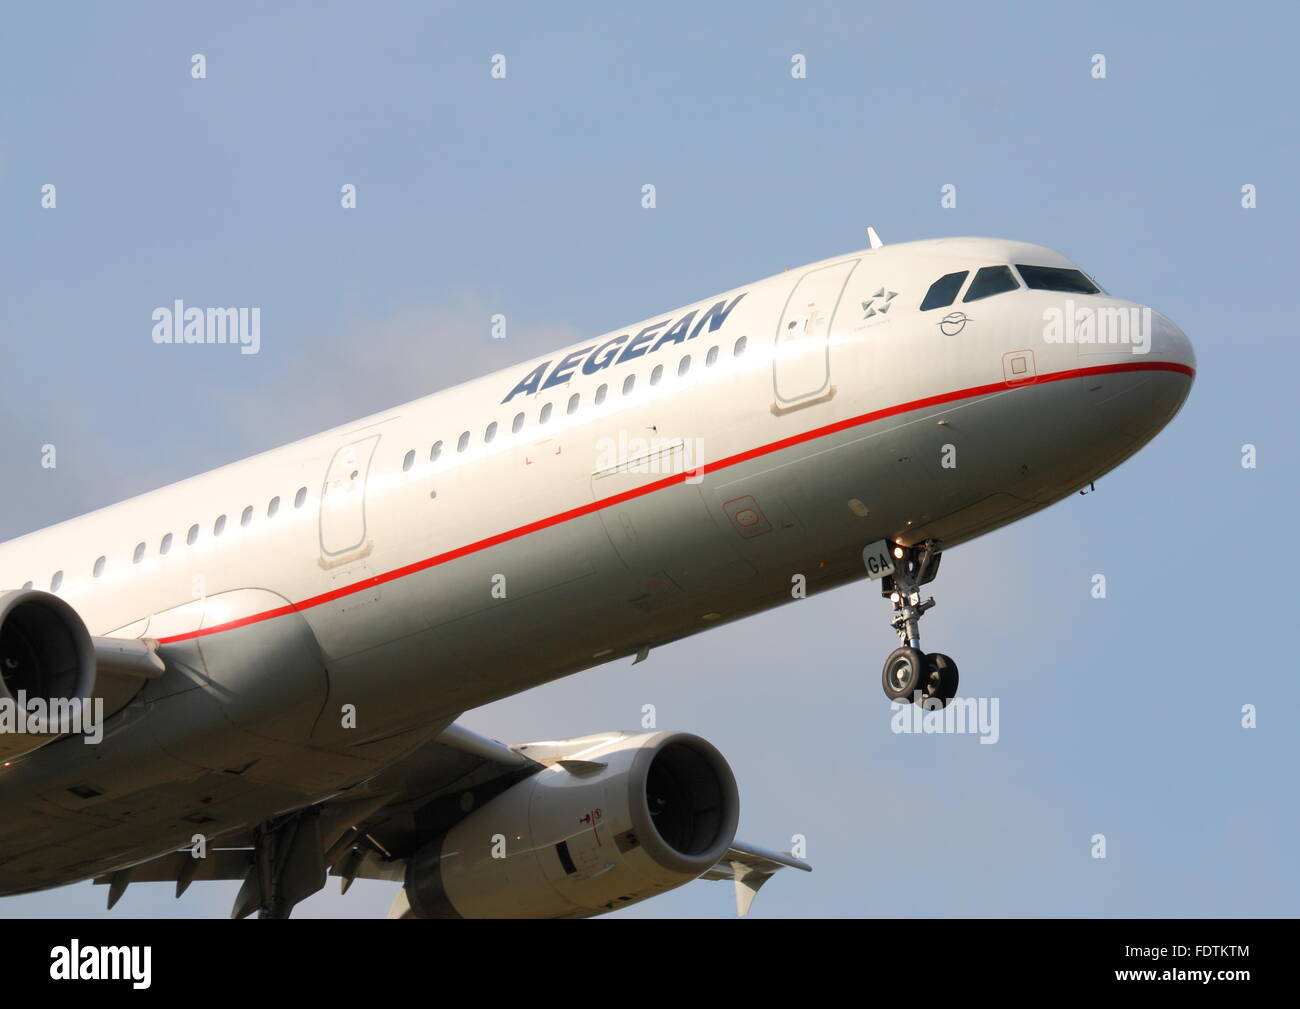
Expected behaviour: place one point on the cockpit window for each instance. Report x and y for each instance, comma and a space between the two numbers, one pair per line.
990, 280
944, 290
1055, 278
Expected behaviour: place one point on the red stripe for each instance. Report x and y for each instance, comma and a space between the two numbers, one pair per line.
669, 481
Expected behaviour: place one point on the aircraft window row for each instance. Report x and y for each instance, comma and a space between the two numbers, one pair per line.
246, 516
991, 280
574, 402
191, 537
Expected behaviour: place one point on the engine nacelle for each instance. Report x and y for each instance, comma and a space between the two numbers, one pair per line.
47, 657
611, 819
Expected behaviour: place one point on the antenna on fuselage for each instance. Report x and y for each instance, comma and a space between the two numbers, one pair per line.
873, 238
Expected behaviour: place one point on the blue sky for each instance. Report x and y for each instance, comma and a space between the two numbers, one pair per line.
522, 196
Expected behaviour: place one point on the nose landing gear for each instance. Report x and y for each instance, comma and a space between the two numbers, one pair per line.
910, 675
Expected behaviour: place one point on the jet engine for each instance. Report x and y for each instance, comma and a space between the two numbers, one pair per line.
610, 820
47, 669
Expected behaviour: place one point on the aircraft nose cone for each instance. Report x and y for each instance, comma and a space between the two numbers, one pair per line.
1139, 387
1169, 343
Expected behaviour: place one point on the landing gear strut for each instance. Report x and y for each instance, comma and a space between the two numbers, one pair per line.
910, 674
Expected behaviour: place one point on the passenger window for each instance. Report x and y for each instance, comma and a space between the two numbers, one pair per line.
435, 451
990, 280
247, 516
138, 556
273, 507
300, 498
1054, 278
26, 586
545, 415
219, 526
519, 422
56, 581
943, 291
192, 535
657, 374
573, 404
684, 365
740, 345
490, 433
99, 567
601, 393
712, 357
165, 547
463, 442
408, 460
628, 383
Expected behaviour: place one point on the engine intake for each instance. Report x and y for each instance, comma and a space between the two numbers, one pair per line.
46, 655
610, 820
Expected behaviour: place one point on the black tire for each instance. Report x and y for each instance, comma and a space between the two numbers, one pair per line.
941, 677
903, 674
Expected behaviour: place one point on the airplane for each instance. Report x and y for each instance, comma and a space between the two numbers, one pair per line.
255, 674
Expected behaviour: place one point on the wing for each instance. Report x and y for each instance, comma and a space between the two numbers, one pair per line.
750, 867
365, 832
371, 830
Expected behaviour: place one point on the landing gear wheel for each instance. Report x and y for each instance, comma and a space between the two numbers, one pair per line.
904, 674
940, 679
909, 674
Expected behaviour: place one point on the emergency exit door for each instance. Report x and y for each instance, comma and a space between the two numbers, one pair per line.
801, 368
343, 502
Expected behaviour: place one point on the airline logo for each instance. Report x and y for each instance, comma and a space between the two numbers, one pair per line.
597, 357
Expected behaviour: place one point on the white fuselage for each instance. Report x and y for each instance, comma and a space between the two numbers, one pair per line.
434, 580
